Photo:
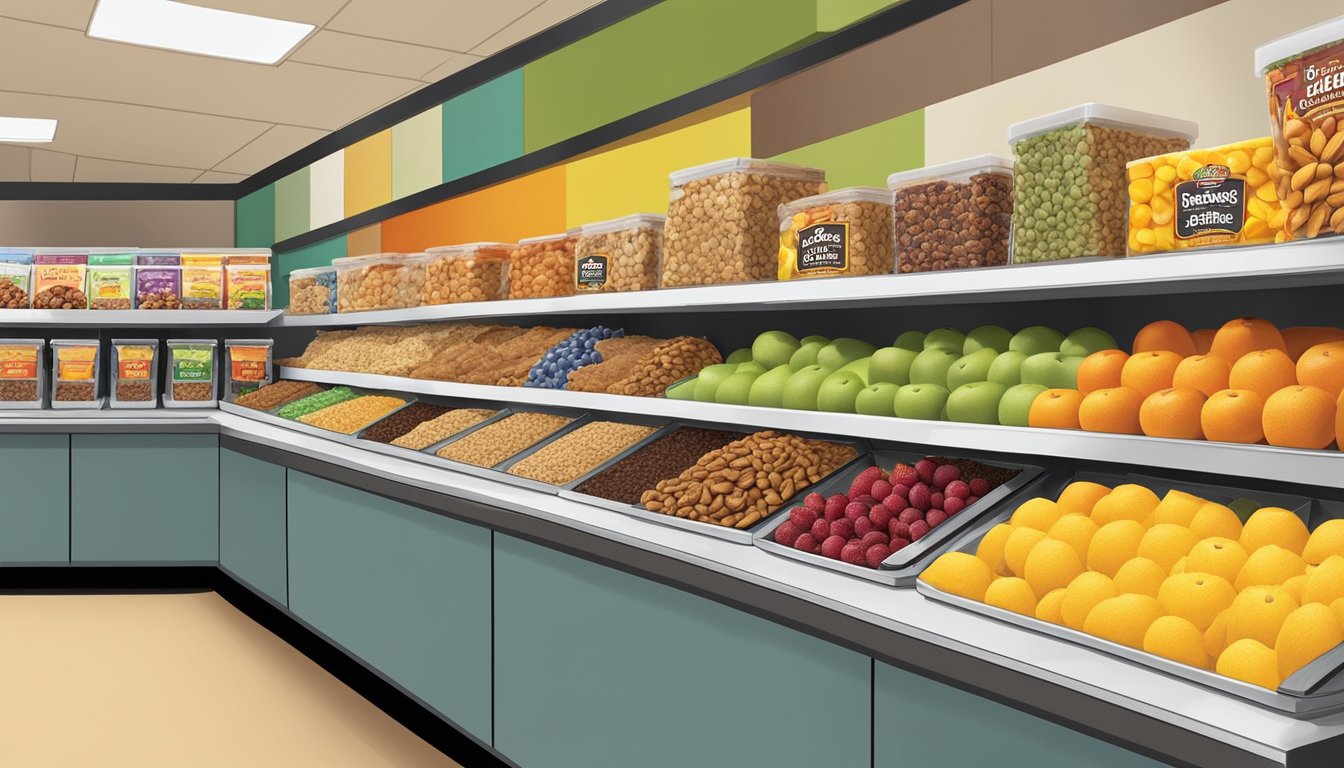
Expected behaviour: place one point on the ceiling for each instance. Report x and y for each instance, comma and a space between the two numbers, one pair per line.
133, 114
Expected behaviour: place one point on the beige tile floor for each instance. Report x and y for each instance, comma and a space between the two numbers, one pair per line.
180, 681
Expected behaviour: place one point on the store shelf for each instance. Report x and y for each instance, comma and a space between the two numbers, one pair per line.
106, 318
1294, 264
1321, 468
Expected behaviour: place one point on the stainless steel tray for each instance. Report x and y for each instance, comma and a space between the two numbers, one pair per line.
419, 455
1311, 691
490, 473
270, 417
537, 485
902, 567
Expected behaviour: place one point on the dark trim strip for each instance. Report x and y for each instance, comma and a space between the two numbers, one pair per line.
65, 578
90, 190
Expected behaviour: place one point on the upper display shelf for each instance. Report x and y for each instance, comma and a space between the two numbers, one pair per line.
118, 318
1307, 262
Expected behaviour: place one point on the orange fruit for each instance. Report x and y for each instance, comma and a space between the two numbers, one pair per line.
1206, 373
1233, 416
1111, 410
1165, 336
1244, 335
1323, 366
1149, 372
1303, 337
1339, 422
1055, 409
1203, 340
1101, 370
1263, 372
1300, 417
1173, 413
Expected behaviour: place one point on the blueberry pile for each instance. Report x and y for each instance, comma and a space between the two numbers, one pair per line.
327, 280
553, 369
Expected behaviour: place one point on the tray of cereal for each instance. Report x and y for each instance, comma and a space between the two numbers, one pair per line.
955, 215
842, 233
478, 450
272, 396
624, 254
540, 267
408, 432
577, 450
469, 272
380, 281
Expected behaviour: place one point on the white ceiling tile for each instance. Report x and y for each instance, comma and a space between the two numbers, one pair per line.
91, 169
317, 12
215, 177
455, 63
367, 54
52, 166
456, 25
15, 163
73, 14
277, 143
545, 16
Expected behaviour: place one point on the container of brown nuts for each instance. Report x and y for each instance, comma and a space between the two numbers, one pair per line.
624, 254
468, 272
135, 373
193, 366
845, 232
540, 267
955, 215
14, 283
75, 367
723, 219
59, 277
380, 281
22, 374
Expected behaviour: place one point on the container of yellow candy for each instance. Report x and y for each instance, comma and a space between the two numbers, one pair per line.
1204, 197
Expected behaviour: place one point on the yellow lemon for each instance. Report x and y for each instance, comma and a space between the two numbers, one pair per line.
1139, 576
1011, 594
1270, 564
1080, 497
1216, 520
1049, 606
1051, 565
1251, 661
1082, 595
1325, 584
1217, 555
1196, 597
960, 574
1338, 608
1036, 513
1274, 525
1113, 544
1166, 543
1326, 540
1018, 546
1258, 613
1294, 586
1177, 508
1179, 567
990, 548
1308, 632
1175, 638
1215, 637
1076, 531
1126, 502
1124, 619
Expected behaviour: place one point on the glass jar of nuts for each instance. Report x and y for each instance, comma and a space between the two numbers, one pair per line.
953, 216
469, 272
380, 281
845, 232
623, 254
542, 266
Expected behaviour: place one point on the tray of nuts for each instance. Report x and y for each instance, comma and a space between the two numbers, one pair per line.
312, 414
478, 450
576, 450
385, 436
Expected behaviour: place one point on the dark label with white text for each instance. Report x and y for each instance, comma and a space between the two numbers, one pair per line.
823, 246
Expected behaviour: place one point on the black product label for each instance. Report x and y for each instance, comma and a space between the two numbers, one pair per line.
1211, 203
823, 246
591, 270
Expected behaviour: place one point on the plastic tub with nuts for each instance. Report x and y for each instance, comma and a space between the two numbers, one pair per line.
193, 366
22, 374
957, 215
111, 280
59, 279
845, 232
468, 272
541, 267
312, 291
135, 373
16, 271
1304, 75
1069, 190
723, 219
75, 368
624, 254
380, 281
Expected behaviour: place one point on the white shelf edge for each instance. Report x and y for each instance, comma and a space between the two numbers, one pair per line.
1319, 468
175, 318
1309, 262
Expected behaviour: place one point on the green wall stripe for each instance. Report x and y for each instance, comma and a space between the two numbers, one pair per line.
483, 127
316, 255
833, 15
254, 219
867, 156
292, 205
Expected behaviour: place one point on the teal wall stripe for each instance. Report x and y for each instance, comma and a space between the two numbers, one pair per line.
483, 127
254, 219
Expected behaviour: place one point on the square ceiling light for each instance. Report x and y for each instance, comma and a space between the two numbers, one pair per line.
36, 130
191, 28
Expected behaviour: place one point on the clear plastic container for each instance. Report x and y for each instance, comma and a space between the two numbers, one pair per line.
845, 232
135, 373
955, 215
1304, 77
723, 219
22, 375
58, 280
75, 367
202, 281
192, 369
15, 281
248, 362
111, 280
312, 291
1069, 178
624, 254
380, 281
158, 287
470, 272
542, 266
249, 285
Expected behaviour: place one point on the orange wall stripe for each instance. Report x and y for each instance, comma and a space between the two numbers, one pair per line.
526, 206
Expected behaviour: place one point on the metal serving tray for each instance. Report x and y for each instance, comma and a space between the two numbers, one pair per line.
270, 417
1313, 690
420, 455
491, 473
658, 423
902, 567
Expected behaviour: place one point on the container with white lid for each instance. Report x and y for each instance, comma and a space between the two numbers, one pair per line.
1069, 187
542, 266
841, 233
379, 281
467, 272
723, 219
22, 373
622, 254
312, 291
955, 215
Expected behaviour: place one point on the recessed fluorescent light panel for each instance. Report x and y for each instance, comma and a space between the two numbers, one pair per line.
35, 130
191, 28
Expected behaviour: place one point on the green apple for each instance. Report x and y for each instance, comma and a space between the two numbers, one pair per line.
862, 366
767, 391
1051, 370
822, 340
891, 365
931, 366
800, 391
682, 390
750, 367
1085, 341
877, 399
911, 340
987, 337
843, 351
742, 355
920, 401
975, 403
946, 338
709, 378
969, 368
1035, 340
839, 391
943, 416
773, 348
806, 355
736, 389
1007, 369
1015, 405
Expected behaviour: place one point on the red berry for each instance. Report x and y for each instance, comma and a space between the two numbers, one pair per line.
926, 468
936, 500
881, 490
971, 500
920, 496
935, 517
910, 516
953, 505
881, 516
815, 502
899, 544
863, 484
979, 486
957, 489
786, 533
835, 506
917, 530
843, 527
832, 545
802, 517
867, 501
876, 554
862, 526
945, 474
853, 553
805, 543
895, 503
855, 510
820, 530
901, 490
904, 474
874, 537
898, 530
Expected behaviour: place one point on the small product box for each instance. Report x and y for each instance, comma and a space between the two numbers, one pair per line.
469, 272
75, 365
135, 373
541, 267
840, 233
22, 375
624, 254
158, 287
249, 286
202, 281
111, 279
16, 271
59, 279
380, 281
957, 215
312, 291
248, 362
192, 368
